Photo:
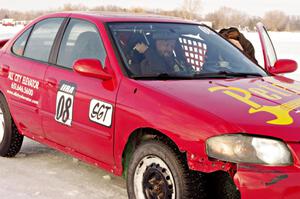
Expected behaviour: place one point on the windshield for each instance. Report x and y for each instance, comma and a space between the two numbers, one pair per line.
178, 50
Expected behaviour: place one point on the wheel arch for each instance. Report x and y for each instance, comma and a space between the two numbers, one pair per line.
195, 161
141, 135
5, 98
8, 104
3, 95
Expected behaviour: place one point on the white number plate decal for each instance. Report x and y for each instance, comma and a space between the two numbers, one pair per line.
64, 103
101, 112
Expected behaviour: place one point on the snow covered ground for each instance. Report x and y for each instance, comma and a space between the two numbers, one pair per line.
43, 173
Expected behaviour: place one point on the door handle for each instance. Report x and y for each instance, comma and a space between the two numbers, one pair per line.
51, 82
4, 70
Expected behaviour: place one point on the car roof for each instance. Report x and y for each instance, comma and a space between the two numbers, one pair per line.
124, 17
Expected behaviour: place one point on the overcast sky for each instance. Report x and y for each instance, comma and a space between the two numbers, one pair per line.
252, 7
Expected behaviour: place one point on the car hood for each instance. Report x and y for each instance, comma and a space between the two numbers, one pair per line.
267, 106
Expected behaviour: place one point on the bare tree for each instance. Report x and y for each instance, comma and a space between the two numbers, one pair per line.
252, 21
190, 8
225, 17
294, 23
276, 20
74, 7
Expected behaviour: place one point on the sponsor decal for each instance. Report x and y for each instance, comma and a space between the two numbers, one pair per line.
64, 103
101, 112
273, 92
23, 87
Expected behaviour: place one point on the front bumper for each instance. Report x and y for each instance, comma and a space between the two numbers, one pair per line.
256, 181
259, 182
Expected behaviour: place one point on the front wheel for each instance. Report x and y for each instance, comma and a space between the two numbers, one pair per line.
156, 171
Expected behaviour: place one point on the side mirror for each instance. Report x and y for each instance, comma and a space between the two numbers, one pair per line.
283, 66
3, 42
91, 68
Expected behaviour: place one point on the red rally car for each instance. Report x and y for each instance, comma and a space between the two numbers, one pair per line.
169, 104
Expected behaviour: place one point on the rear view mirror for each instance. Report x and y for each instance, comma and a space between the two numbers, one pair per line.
91, 68
283, 66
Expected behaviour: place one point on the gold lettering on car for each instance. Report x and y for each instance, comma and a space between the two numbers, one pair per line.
244, 95
264, 93
276, 90
281, 111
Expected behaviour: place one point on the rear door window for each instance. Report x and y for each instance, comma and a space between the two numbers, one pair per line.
19, 45
41, 39
81, 40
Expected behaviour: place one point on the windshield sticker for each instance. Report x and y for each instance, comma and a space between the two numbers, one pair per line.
205, 29
64, 103
23, 87
281, 111
101, 112
194, 51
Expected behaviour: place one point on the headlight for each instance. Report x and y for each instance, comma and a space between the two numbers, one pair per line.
248, 149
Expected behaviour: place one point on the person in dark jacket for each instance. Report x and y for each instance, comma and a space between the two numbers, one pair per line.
160, 57
238, 39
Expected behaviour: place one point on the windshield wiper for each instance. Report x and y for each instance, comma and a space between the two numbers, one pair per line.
220, 74
225, 74
161, 76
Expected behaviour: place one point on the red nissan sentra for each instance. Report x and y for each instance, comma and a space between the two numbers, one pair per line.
169, 104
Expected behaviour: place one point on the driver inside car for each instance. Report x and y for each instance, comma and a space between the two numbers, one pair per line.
160, 57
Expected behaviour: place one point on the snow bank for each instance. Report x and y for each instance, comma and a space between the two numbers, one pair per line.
8, 31
287, 46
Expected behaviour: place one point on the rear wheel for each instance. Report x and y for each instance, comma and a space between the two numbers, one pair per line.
156, 171
10, 139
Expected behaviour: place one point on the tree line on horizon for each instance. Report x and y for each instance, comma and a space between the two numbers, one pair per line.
224, 17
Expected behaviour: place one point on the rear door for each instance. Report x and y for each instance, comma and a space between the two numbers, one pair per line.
25, 68
268, 49
78, 111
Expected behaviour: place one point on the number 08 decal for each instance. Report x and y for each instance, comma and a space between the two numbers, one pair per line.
64, 103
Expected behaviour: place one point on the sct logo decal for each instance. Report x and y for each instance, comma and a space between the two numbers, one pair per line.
281, 112
101, 112
64, 103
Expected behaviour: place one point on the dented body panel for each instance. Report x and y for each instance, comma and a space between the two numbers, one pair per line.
268, 182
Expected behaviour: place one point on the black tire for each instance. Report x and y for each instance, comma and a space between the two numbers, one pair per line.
11, 141
222, 186
188, 184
